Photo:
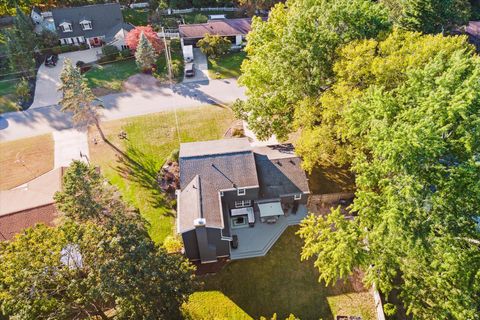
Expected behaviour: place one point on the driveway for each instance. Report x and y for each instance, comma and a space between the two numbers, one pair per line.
201, 67
48, 78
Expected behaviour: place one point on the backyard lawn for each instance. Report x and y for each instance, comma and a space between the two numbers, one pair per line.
279, 283
150, 141
111, 76
227, 66
7, 91
25, 159
137, 17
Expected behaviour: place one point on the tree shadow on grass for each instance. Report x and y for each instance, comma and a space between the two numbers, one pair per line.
136, 166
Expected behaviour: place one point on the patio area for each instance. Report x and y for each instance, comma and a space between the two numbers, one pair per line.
257, 241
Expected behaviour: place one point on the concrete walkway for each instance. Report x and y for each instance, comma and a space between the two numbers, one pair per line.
70, 144
32, 122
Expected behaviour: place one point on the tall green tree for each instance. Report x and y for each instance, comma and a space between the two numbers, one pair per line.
290, 57
78, 98
214, 45
145, 55
429, 16
20, 44
413, 128
98, 264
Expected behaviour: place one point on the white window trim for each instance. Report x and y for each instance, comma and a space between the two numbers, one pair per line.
297, 196
86, 25
243, 203
66, 27
241, 192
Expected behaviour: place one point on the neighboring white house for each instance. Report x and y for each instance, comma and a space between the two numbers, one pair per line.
94, 25
42, 20
234, 29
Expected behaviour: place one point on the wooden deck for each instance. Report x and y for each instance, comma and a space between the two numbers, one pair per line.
256, 241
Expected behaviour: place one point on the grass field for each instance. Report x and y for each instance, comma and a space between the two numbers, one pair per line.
219, 307
227, 66
137, 17
111, 75
25, 159
280, 283
150, 141
7, 91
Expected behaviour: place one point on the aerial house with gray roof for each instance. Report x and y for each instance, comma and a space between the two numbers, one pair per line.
236, 200
94, 25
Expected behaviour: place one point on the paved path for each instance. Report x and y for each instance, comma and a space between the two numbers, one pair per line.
16, 125
70, 144
48, 78
201, 67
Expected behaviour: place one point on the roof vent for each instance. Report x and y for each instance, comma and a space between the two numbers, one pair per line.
199, 222
292, 162
279, 163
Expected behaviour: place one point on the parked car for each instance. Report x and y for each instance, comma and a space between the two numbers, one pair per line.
51, 60
189, 70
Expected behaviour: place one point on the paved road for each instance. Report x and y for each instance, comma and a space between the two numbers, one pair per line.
16, 125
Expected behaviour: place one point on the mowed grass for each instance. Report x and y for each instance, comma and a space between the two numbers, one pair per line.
111, 75
150, 141
207, 305
25, 159
7, 95
281, 283
137, 17
227, 66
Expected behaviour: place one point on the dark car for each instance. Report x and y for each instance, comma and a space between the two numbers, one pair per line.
51, 60
189, 70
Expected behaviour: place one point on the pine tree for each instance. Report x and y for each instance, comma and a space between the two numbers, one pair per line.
78, 98
145, 54
20, 44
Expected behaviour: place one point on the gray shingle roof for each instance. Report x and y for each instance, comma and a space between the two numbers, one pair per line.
280, 171
103, 17
235, 167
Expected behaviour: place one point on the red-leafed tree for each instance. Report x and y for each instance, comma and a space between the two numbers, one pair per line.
134, 36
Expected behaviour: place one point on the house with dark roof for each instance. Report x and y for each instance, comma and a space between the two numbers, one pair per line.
236, 200
29, 204
233, 29
94, 25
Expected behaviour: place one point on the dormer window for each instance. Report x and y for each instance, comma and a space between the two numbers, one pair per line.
66, 27
86, 24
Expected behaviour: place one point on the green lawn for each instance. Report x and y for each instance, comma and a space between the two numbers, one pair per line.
280, 283
111, 75
207, 305
150, 140
7, 91
137, 17
227, 66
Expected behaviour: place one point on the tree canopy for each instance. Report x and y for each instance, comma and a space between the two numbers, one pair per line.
290, 56
99, 264
429, 16
406, 114
214, 45
145, 54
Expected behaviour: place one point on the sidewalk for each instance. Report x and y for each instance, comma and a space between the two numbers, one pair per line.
69, 145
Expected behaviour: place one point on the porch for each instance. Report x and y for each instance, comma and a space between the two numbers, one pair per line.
256, 241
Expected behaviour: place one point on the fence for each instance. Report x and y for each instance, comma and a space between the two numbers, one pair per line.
378, 304
169, 34
332, 197
139, 5
190, 10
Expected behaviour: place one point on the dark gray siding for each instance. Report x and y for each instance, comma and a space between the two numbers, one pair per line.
214, 239
229, 197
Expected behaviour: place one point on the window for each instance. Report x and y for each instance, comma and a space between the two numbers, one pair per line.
66, 27
297, 197
241, 192
221, 193
243, 203
86, 25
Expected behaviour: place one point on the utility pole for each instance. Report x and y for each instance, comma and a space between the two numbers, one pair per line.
168, 56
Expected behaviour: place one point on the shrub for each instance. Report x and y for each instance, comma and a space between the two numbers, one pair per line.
172, 244
174, 155
214, 45
200, 18
22, 90
177, 68
390, 309
126, 53
109, 50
